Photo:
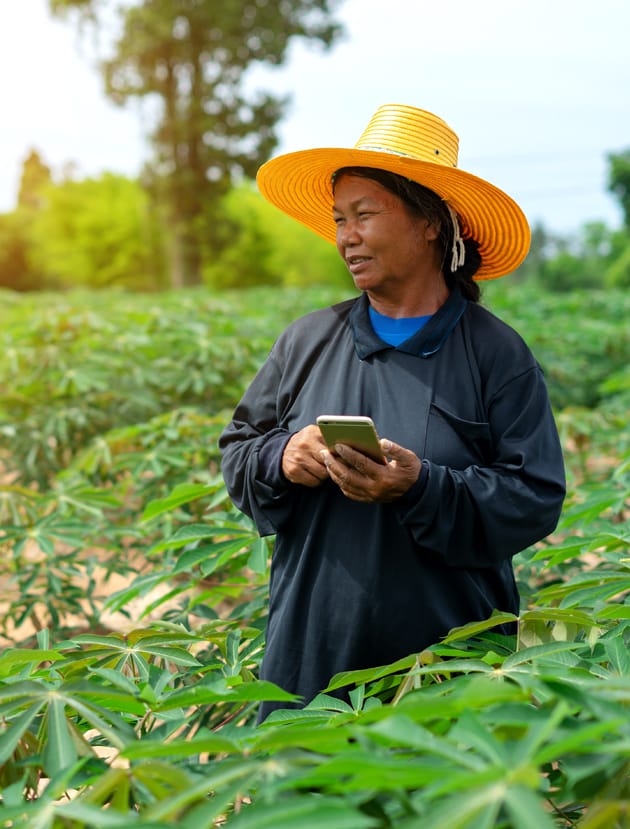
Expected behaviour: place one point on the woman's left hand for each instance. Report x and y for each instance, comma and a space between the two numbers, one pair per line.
362, 479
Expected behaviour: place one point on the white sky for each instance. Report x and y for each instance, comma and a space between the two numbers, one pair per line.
538, 91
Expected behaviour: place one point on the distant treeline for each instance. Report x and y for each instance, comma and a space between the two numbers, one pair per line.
109, 232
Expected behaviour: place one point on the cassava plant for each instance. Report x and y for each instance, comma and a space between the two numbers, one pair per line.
152, 723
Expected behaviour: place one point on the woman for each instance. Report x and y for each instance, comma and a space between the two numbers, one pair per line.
373, 562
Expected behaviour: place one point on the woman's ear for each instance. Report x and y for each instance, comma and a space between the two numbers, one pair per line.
432, 231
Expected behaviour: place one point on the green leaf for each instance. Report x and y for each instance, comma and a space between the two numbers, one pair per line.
14, 659
605, 814
116, 678
174, 655
207, 744
527, 810
13, 733
97, 816
192, 533
473, 629
181, 494
557, 614
370, 674
205, 814
329, 703
258, 557
470, 731
301, 734
399, 730
59, 750
591, 509
113, 641
216, 779
618, 655
306, 812
219, 691
613, 612
211, 557
536, 652
478, 808
584, 738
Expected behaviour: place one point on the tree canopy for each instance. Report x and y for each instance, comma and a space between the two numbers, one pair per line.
619, 181
191, 58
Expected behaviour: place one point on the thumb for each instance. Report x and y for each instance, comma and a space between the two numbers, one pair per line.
391, 449
402, 460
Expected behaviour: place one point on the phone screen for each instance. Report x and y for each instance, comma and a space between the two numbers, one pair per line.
355, 431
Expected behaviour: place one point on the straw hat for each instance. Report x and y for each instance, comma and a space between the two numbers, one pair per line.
417, 145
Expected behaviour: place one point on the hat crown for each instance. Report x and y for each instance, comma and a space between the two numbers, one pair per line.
410, 132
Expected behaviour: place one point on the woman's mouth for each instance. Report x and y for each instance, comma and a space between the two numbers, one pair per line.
356, 263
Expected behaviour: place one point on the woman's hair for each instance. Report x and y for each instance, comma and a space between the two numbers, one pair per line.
424, 202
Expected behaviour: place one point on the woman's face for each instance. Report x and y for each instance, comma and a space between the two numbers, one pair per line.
384, 246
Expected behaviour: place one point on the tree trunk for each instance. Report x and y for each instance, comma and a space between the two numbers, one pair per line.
176, 257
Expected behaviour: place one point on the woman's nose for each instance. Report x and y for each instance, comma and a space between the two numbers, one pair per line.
348, 233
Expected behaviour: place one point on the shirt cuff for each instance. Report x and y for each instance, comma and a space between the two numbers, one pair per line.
416, 490
270, 460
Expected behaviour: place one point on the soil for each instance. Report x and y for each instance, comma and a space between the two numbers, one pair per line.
25, 634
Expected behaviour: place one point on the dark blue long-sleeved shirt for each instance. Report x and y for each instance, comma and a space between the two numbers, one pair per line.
356, 585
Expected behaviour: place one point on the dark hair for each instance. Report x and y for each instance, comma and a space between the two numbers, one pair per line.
424, 202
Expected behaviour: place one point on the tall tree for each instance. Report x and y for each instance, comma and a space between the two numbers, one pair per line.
34, 179
191, 56
619, 181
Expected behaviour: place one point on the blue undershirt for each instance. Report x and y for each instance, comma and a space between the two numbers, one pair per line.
395, 331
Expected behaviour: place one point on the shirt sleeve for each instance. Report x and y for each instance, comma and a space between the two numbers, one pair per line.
251, 447
480, 515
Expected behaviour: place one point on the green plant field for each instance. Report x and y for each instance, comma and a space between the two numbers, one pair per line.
133, 595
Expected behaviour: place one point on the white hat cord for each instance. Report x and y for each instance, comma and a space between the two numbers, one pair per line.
458, 251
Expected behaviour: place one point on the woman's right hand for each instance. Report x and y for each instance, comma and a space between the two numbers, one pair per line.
302, 461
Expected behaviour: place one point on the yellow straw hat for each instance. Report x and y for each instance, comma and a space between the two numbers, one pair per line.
419, 146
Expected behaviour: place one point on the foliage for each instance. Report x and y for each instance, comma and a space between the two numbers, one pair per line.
267, 247
64, 233
138, 711
593, 258
17, 270
191, 60
98, 233
619, 181
36, 176
106, 232
76, 369
618, 273
580, 338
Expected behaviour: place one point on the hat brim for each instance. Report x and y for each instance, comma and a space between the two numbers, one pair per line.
300, 184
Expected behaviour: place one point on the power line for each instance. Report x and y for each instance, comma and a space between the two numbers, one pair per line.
562, 192
555, 156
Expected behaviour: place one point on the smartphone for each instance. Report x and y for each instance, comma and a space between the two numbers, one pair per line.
353, 430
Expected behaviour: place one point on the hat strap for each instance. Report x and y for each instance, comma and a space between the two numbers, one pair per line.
458, 251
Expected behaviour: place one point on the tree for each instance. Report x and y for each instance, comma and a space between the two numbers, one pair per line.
268, 248
35, 177
98, 233
619, 181
192, 58
16, 268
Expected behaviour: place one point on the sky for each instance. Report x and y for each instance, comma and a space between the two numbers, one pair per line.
537, 90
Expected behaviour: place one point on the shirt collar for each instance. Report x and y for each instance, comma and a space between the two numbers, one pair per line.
424, 343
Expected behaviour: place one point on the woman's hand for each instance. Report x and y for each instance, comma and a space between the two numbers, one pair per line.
302, 461
362, 479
